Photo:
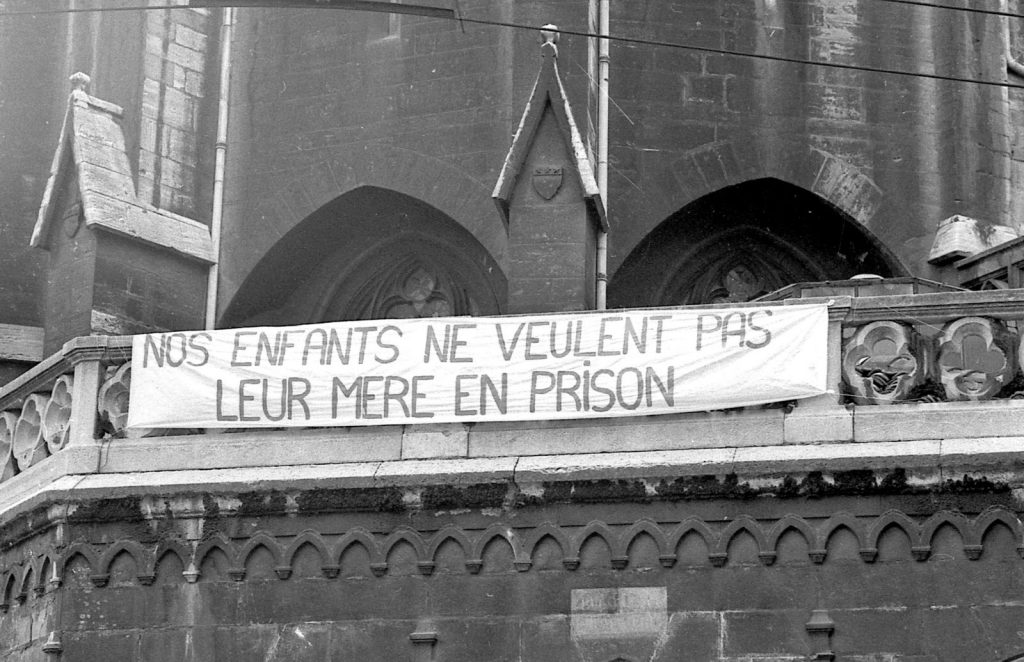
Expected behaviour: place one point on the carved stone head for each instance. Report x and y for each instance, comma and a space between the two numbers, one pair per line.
879, 363
973, 360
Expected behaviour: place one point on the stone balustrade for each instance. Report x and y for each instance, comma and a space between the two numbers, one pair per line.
943, 350
55, 404
933, 348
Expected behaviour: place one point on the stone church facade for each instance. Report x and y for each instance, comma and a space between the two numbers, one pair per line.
398, 166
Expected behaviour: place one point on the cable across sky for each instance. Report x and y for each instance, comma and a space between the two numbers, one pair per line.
630, 40
968, 10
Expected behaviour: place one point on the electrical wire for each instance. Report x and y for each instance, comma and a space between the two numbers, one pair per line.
758, 56
913, 3
968, 10
623, 40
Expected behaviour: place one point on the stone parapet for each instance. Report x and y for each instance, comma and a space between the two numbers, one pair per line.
929, 384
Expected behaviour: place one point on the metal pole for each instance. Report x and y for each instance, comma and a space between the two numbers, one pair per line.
603, 60
220, 155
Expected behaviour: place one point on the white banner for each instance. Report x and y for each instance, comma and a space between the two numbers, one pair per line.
537, 367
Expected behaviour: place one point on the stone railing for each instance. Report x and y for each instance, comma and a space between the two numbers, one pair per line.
943, 347
886, 353
71, 398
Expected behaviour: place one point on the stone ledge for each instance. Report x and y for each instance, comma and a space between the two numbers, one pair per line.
815, 425
257, 448
717, 429
940, 420
86, 473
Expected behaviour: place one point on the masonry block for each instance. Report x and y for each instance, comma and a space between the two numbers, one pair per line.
432, 441
818, 425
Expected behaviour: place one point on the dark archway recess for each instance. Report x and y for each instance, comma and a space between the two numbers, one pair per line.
370, 253
743, 241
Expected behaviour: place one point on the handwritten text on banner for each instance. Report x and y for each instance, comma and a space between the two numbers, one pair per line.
613, 363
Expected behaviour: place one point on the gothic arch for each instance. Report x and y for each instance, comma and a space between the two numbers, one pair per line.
275, 205
644, 526
895, 519
954, 519
743, 241
360, 537
452, 533
407, 535
264, 540
735, 528
311, 538
598, 529
800, 526
218, 542
370, 253
505, 533
684, 178
83, 549
989, 518
139, 556
842, 520
554, 533
696, 526
10, 589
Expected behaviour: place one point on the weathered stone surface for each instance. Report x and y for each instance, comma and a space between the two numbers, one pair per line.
959, 236
435, 441
319, 555
727, 429
818, 425
938, 421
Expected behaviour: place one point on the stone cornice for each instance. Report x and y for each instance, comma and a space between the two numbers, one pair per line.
80, 475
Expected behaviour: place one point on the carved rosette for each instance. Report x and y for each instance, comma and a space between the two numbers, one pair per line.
57, 415
974, 358
880, 363
113, 397
28, 442
405, 285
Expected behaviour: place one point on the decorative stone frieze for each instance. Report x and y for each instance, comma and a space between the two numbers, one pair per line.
56, 421
974, 358
968, 358
28, 442
520, 550
880, 364
113, 397
8, 421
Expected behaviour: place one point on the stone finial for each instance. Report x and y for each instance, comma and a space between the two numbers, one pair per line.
549, 33
80, 81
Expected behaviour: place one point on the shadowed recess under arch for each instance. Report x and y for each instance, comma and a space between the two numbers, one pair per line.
744, 241
370, 253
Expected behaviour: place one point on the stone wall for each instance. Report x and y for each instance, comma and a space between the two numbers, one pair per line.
32, 102
174, 144
321, 108
867, 568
